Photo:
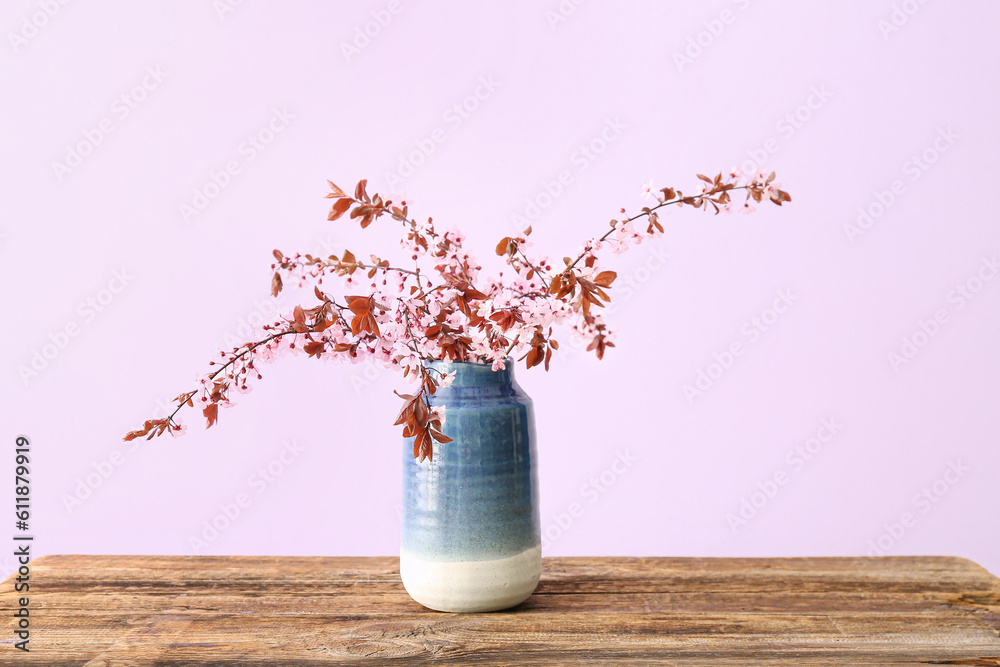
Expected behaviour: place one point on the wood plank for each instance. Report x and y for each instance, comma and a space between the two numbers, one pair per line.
227, 611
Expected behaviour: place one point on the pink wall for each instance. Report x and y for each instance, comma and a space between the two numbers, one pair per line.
878, 106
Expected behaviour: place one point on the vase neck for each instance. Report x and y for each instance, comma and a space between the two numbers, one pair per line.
476, 375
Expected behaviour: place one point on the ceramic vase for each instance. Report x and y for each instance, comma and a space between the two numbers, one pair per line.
471, 533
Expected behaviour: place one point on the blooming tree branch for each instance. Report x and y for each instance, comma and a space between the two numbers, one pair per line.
406, 317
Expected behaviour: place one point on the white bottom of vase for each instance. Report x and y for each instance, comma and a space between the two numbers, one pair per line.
471, 586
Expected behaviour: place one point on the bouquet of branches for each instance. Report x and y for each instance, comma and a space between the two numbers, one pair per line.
436, 304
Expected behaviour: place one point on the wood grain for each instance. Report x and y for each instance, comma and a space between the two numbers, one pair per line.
137, 611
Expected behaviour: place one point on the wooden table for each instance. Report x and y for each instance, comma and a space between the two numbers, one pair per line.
113, 611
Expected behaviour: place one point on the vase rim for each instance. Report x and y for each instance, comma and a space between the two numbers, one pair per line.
470, 373
508, 361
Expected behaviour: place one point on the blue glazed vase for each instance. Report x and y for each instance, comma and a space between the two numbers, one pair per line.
471, 538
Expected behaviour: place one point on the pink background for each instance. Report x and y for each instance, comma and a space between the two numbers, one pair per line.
839, 98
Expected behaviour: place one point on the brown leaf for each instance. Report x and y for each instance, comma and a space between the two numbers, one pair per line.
420, 410
502, 246
211, 413
278, 255
440, 437
422, 446
276, 284
147, 426
335, 191
408, 400
605, 278
339, 208
359, 191
472, 294
359, 305
299, 315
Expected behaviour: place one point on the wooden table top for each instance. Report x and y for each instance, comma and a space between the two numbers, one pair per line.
113, 611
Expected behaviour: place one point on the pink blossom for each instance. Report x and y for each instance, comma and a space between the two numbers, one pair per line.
436, 282
757, 179
772, 190
617, 246
647, 189
400, 198
438, 411
624, 229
